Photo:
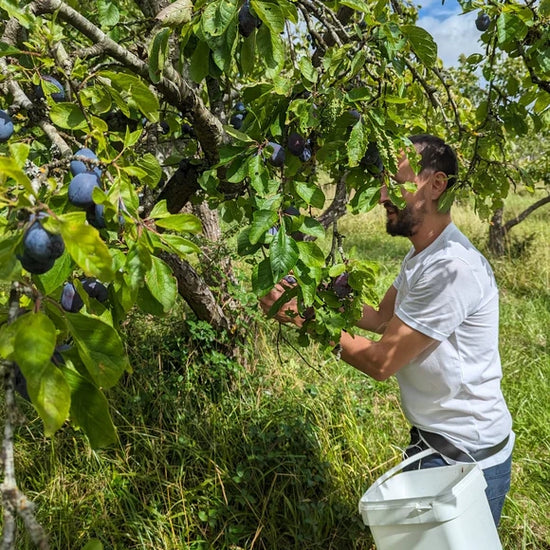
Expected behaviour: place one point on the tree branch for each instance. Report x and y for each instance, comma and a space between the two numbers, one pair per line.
520, 217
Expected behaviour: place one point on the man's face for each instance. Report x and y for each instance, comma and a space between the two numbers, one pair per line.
406, 221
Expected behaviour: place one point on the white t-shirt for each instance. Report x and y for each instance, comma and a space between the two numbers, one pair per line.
448, 292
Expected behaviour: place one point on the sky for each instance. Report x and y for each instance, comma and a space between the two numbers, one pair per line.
453, 33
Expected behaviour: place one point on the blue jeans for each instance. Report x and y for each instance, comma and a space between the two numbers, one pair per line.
497, 478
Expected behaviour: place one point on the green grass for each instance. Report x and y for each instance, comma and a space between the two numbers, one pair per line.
275, 451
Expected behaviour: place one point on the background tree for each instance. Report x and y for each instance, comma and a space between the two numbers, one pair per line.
128, 129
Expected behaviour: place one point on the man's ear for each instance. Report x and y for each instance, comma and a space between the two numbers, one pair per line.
439, 184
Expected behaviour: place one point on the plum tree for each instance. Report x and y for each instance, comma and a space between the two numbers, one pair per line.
122, 64
6, 126
81, 189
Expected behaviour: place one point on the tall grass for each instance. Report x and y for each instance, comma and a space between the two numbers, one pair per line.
275, 451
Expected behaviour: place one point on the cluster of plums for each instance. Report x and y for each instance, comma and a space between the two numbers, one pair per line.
297, 145
82, 186
71, 300
237, 117
40, 247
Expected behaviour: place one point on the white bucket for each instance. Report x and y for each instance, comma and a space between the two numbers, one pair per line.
442, 508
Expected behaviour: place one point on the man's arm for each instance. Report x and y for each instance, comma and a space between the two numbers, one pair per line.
376, 320
399, 345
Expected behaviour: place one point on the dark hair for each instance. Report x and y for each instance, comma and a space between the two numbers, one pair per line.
436, 155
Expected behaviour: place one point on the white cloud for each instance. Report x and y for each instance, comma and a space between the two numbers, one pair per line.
454, 34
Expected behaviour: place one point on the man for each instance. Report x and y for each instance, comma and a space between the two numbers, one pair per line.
439, 326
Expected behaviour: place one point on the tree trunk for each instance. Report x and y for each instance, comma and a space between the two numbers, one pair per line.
497, 234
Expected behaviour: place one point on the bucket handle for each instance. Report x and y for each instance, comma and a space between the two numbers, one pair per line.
392, 471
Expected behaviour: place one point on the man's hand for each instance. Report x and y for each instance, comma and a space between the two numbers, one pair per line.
288, 312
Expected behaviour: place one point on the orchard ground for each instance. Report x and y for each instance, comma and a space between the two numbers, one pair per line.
275, 453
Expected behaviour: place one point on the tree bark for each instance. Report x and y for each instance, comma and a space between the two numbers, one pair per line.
499, 231
497, 234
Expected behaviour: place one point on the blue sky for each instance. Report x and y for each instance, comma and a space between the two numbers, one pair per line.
453, 33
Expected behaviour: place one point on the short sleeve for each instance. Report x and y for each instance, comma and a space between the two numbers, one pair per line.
439, 300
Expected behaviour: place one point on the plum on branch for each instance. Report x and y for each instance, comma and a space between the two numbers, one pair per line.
296, 143
247, 20
6, 126
57, 96
40, 248
79, 166
81, 189
277, 158
482, 22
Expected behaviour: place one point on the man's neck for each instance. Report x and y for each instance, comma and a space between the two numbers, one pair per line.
428, 232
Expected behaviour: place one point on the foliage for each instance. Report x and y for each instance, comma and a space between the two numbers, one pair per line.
131, 88
281, 457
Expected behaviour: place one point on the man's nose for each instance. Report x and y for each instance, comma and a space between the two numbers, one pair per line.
383, 195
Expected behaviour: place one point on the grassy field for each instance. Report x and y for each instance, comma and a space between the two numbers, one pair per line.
274, 452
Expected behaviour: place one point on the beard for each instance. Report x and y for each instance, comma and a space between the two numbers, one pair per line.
402, 223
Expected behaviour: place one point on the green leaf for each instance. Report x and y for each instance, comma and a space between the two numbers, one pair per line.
90, 410
85, 246
34, 344
20, 153
10, 169
51, 397
151, 168
510, 28
109, 15
422, 43
262, 278
162, 284
8, 244
310, 254
137, 91
100, 348
200, 62
56, 276
312, 227
175, 14
311, 193
160, 210
158, 53
307, 69
180, 245
283, 255
270, 13
69, 116
138, 262
217, 16
262, 221
357, 5
93, 544
270, 44
181, 222
248, 54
